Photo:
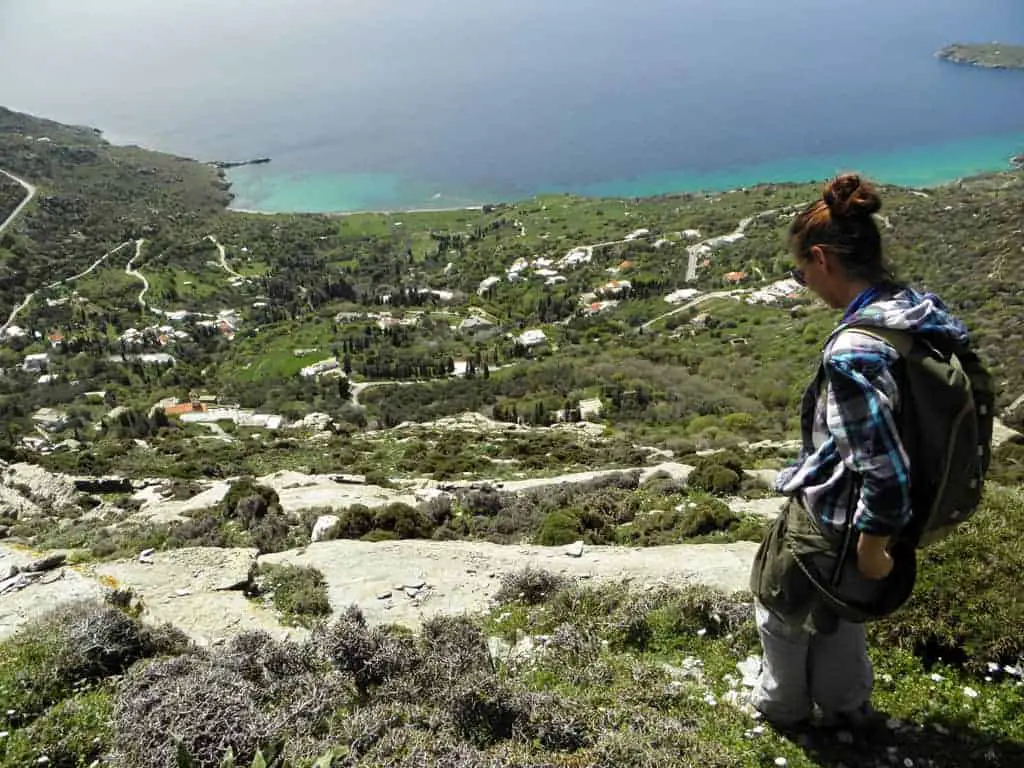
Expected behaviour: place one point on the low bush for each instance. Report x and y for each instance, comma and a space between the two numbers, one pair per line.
298, 593
70, 734
66, 650
529, 586
558, 528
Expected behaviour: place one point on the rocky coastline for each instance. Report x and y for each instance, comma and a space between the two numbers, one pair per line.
986, 55
225, 165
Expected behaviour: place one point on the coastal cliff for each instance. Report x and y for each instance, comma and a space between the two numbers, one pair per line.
986, 55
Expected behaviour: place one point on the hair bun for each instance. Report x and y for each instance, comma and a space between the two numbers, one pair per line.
848, 196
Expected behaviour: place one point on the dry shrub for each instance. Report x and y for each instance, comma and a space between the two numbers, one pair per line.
371, 656
529, 586
484, 710
196, 699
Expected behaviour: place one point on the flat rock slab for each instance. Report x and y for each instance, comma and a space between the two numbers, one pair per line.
462, 576
51, 590
767, 508
197, 589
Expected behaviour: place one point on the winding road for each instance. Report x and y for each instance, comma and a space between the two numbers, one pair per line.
30, 192
130, 270
693, 303
223, 258
49, 286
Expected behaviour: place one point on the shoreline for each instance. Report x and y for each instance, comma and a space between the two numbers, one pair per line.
922, 167
1014, 165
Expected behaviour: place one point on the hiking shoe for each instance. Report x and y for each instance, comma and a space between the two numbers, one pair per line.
860, 718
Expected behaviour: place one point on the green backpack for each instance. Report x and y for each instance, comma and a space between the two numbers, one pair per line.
945, 421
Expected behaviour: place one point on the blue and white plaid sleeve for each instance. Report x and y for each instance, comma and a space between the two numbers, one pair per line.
862, 397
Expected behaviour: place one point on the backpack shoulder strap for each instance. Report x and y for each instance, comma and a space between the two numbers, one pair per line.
901, 341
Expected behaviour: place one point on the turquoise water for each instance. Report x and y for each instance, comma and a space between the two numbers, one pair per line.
258, 188
445, 103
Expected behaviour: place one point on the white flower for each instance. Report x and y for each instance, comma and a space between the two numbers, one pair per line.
970, 692
701, 632
781, 762
937, 678
710, 700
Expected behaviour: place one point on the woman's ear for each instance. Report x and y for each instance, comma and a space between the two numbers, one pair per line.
817, 254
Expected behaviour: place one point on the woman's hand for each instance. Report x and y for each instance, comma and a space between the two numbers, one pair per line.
873, 558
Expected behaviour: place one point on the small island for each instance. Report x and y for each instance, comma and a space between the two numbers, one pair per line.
987, 55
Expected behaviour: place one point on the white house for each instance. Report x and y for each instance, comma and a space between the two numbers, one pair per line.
487, 283
533, 337
35, 362
317, 369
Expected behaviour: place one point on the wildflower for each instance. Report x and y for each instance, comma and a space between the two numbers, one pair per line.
970, 692
937, 678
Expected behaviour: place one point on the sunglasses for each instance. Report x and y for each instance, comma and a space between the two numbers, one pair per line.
798, 275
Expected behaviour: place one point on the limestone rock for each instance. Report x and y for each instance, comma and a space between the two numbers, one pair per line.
323, 525
200, 590
575, 549
49, 489
673, 469
41, 594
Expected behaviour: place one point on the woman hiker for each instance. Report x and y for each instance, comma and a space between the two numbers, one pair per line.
849, 492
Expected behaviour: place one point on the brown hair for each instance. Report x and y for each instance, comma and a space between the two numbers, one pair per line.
842, 222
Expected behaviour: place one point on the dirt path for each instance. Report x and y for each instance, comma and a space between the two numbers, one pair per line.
222, 260
30, 192
131, 270
49, 286
691, 304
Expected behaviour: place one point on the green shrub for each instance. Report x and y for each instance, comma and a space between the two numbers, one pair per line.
706, 516
403, 521
65, 650
355, 522
712, 477
558, 528
71, 734
968, 604
299, 593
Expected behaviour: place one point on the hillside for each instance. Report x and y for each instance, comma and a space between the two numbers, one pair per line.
318, 428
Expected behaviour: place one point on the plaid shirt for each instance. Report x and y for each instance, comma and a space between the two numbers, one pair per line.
850, 436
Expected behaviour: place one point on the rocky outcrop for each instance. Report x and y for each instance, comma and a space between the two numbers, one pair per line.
407, 581
47, 490
200, 590
33, 592
985, 55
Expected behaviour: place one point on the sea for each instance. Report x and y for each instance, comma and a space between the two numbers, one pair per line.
408, 104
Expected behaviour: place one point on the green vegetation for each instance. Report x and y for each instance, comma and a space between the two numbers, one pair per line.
988, 55
299, 594
969, 601
719, 374
609, 677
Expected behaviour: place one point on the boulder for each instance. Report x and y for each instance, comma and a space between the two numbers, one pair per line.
50, 489
323, 525
200, 590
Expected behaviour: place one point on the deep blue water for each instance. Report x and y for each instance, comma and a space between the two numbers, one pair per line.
394, 103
